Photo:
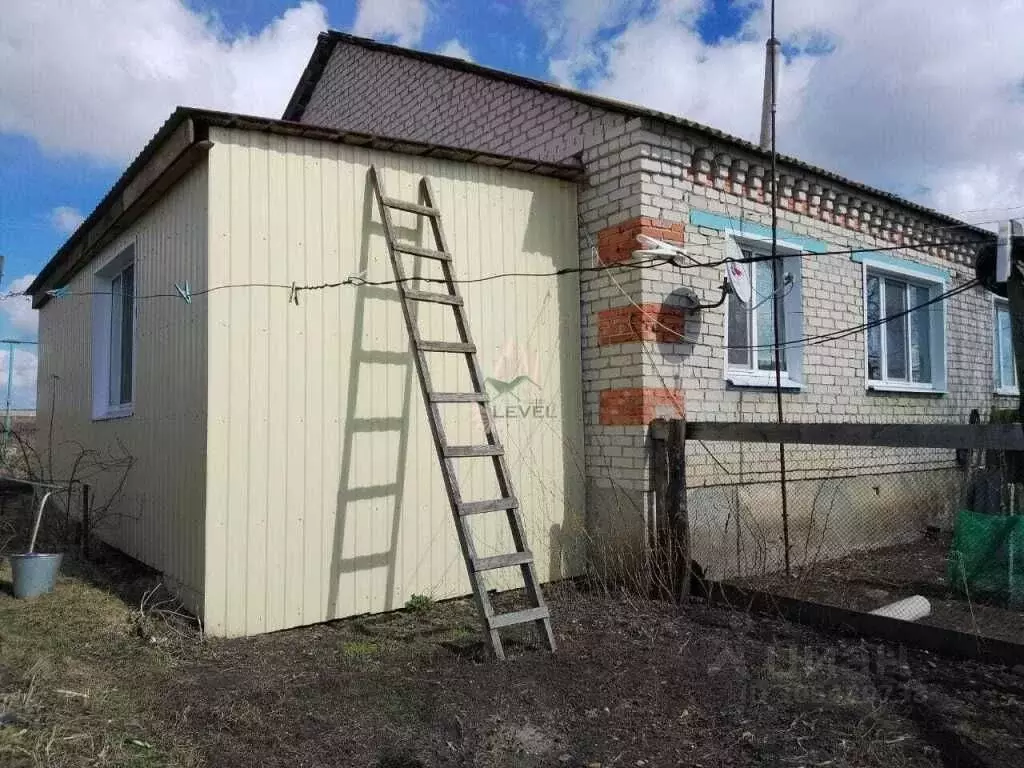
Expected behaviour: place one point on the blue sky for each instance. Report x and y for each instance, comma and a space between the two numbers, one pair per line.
867, 89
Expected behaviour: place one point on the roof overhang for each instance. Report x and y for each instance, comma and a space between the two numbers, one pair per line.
184, 141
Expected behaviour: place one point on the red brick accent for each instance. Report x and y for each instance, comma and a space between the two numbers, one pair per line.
639, 406
647, 322
616, 244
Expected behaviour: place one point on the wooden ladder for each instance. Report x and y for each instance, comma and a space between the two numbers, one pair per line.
537, 612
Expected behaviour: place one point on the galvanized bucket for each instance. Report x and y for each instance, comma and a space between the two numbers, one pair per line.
34, 573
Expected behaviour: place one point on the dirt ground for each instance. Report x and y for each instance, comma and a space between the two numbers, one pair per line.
106, 672
868, 580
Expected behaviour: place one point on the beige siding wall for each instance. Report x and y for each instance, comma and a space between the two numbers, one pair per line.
158, 517
324, 494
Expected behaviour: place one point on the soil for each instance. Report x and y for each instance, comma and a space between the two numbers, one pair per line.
107, 672
868, 580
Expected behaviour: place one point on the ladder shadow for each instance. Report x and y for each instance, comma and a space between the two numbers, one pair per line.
353, 499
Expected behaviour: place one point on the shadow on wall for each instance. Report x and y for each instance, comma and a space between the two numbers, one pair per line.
354, 497
373, 413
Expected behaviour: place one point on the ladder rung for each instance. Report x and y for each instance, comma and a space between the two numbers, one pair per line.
458, 397
471, 451
447, 346
402, 205
518, 617
426, 253
436, 298
492, 505
502, 561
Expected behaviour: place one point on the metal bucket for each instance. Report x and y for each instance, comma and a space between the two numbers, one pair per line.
34, 573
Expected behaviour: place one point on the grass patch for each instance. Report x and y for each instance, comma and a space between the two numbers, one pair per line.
73, 673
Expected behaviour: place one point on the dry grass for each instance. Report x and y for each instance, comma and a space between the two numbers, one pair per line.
76, 679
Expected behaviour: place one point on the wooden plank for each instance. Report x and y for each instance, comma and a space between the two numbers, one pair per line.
435, 298
679, 520
1007, 437
519, 617
426, 253
447, 346
404, 205
458, 397
472, 451
491, 505
502, 561
924, 636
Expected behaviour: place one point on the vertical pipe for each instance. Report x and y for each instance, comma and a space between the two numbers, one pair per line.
7, 410
776, 271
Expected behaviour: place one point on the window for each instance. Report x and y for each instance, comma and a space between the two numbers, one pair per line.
114, 337
122, 336
750, 330
906, 333
1005, 365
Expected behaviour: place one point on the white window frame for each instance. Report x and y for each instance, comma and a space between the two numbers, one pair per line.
1000, 304
792, 377
921, 276
102, 316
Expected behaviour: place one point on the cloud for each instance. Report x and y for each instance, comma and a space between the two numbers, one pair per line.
98, 77
456, 50
16, 311
66, 219
922, 97
23, 382
402, 21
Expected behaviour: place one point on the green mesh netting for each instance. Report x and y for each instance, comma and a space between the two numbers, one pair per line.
987, 557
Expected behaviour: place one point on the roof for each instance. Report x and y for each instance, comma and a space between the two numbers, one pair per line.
108, 212
328, 40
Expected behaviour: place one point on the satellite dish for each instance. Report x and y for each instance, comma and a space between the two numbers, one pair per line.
652, 246
737, 275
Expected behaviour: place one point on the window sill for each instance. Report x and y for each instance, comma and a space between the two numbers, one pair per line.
765, 380
1007, 391
911, 389
122, 412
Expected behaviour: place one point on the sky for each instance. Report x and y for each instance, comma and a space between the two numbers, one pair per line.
924, 98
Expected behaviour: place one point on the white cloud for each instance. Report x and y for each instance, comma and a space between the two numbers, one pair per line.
66, 219
456, 50
98, 77
923, 97
400, 20
17, 311
23, 382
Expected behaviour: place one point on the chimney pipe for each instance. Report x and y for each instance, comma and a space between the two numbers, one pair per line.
771, 87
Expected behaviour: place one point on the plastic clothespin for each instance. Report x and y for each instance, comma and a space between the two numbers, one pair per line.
293, 295
59, 293
184, 291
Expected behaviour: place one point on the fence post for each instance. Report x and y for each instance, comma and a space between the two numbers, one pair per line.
678, 514
660, 537
84, 542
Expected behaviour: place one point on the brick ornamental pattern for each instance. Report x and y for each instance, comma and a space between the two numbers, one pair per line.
646, 322
616, 244
637, 406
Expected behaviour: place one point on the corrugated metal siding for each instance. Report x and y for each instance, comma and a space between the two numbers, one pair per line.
324, 494
159, 516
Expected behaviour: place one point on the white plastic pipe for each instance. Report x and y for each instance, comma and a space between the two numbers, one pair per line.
909, 609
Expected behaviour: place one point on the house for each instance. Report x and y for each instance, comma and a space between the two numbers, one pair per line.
283, 468
644, 355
